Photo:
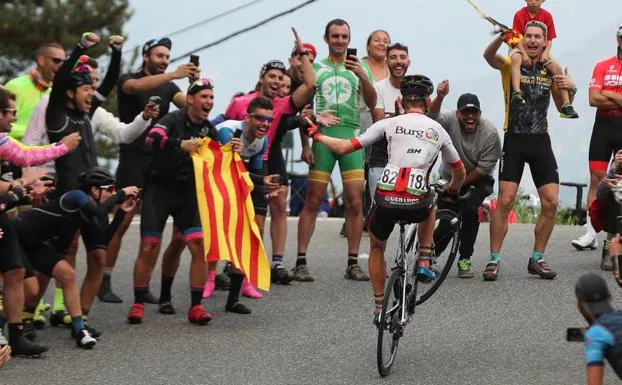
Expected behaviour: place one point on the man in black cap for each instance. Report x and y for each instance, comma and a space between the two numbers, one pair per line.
479, 147
134, 91
604, 336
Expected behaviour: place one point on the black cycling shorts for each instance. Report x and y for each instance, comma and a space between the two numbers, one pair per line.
40, 258
258, 196
605, 142
174, 199
132, 168
386, 212
533, 149
11, 256
276, 162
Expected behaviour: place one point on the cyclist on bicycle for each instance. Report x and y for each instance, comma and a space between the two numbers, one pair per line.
403, 192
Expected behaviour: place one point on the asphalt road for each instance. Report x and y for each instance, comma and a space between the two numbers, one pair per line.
471, 332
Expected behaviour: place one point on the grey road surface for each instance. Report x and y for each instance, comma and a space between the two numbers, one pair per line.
471, 332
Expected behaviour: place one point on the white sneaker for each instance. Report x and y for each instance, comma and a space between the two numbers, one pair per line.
3, 340
84, 340
585, 242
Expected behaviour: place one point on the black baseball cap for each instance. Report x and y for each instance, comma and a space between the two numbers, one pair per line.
165, 42
593, 293
468, 101
272, 65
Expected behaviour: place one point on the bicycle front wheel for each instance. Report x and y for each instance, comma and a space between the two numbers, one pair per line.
389, 322
443, 262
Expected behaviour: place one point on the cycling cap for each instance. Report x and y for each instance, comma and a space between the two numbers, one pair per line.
417, 86
310, 49
200, 85
593, 293
81, 75
272, 65
95, 177
165, 42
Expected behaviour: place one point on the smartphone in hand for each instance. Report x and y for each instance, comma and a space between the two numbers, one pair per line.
237, 134
574, 335
350, 52
154, 100
194, 59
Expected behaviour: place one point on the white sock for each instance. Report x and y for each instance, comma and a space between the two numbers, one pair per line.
590, 228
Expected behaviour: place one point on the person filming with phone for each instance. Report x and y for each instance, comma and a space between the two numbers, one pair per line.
150, 85
603, 338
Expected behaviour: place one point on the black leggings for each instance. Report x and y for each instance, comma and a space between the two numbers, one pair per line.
470, 219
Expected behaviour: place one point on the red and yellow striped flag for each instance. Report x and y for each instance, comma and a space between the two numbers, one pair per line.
227, 214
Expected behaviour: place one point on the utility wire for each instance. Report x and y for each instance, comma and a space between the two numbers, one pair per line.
241, 31
208, 20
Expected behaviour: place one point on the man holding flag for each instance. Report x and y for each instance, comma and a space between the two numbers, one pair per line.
170, 190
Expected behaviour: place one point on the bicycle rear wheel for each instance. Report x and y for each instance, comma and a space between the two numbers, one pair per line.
443, 262
389, 322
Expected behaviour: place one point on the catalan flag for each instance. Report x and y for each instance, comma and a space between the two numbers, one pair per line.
227, 214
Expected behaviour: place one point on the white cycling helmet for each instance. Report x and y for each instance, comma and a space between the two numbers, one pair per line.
620, 31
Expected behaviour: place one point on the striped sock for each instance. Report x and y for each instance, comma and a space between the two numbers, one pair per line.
277, 260
495, 257
536, 256
353, 258
301, 259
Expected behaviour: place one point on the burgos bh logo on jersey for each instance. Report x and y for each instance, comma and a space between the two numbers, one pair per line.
431, 134
337, 90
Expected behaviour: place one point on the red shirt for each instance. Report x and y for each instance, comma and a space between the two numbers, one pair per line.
607, 76
282, 106
522, 17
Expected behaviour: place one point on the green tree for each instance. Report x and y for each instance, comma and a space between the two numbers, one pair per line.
26, 24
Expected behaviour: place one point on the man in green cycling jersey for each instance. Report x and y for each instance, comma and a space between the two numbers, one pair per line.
340, 81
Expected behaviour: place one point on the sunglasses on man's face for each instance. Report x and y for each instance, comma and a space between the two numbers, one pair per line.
109, 188
10, 110
263, 118
56, 60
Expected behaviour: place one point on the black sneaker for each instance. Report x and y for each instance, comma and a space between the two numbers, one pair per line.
343, 232
150, 298
29, 329
568, 112
228, 271
238, 308
517, 99
60, 318
166, 308
280, 275
222, 282
109, 297
92, 331
84, 340
23, 347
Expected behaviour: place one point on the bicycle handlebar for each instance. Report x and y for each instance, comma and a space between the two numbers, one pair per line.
440, 190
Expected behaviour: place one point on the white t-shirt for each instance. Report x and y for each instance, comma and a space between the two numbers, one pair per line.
387, 95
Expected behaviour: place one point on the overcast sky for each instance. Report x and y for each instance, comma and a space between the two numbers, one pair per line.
446, 40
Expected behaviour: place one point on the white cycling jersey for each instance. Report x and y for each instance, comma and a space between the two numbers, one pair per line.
414, 142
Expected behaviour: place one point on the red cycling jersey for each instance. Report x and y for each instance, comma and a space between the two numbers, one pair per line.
608, 77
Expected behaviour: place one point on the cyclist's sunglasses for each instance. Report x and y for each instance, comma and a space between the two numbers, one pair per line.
56, 60
109, 188
263, 118
10, 110
199, 85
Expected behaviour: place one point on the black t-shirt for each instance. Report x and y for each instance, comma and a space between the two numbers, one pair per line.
132, 105
171, 163
535, 84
